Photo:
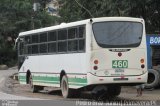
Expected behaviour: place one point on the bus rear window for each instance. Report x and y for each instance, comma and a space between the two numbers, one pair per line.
118, 34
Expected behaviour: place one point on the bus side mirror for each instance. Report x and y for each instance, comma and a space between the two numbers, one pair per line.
91, 20
16, 44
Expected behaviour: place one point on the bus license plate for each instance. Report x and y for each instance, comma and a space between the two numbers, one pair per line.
119, 63
120, 79
119, 70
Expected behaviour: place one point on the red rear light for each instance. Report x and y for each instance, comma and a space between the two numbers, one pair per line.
95, 67
119, 54
96, 62
138, 78
142, 60
122, 77
101, 79
142, 66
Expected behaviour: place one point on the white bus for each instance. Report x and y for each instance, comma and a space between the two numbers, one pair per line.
84, 55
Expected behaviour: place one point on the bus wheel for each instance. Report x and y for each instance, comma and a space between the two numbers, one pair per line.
153, 79
33, 87
66, 91
114, 90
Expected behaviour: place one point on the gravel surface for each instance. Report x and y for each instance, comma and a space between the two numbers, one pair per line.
128, 93
7, 84
10, 87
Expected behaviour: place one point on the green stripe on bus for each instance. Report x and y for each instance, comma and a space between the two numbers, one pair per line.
22, 80
47, 79
77, 84
79, 80
22, 77
46, 82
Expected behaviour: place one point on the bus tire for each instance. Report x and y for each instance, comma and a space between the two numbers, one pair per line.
153, 79
114, 90
158, 69
34, 88
159, 77
66, 91
117, 90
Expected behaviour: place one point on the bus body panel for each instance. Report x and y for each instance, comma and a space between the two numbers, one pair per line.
106, 56
132, 66
46, 69
106, 71
127, 81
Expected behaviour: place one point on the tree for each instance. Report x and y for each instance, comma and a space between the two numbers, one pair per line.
71, 10
42, 4
17, 16
148, 9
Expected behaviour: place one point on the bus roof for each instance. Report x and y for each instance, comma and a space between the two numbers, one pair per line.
82, 22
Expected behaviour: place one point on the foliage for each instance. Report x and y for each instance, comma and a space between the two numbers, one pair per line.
17, 16
148, 9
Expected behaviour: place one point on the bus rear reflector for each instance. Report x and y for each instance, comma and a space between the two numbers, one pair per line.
142, 60
101, 79
95, 67
96, 62
142, 66
119, 54
120, 79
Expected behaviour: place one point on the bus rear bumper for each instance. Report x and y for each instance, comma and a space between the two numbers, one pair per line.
121, 80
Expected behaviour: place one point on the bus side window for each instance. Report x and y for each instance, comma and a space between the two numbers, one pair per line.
81, 40
72, 45
62, 42
43, 37
21, 46
27, 39
62, 46
81, 45
81, 32
72, 33
34, 49
52, 47
35, 38
62, 34
52, 36
43, 48
72, 39
29, 50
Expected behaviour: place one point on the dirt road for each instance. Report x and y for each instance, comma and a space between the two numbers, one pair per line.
128, 93
11, 89
6, 92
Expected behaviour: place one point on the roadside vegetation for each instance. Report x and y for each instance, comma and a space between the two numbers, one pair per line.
18, 15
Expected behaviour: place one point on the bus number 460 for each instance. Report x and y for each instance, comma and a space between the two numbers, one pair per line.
119, 64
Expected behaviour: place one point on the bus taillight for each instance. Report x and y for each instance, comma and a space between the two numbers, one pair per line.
142, 66
96, 62
142, 63
142, 60
119, 54
95, 67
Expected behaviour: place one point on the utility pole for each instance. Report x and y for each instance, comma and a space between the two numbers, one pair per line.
32, 22
36, 7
